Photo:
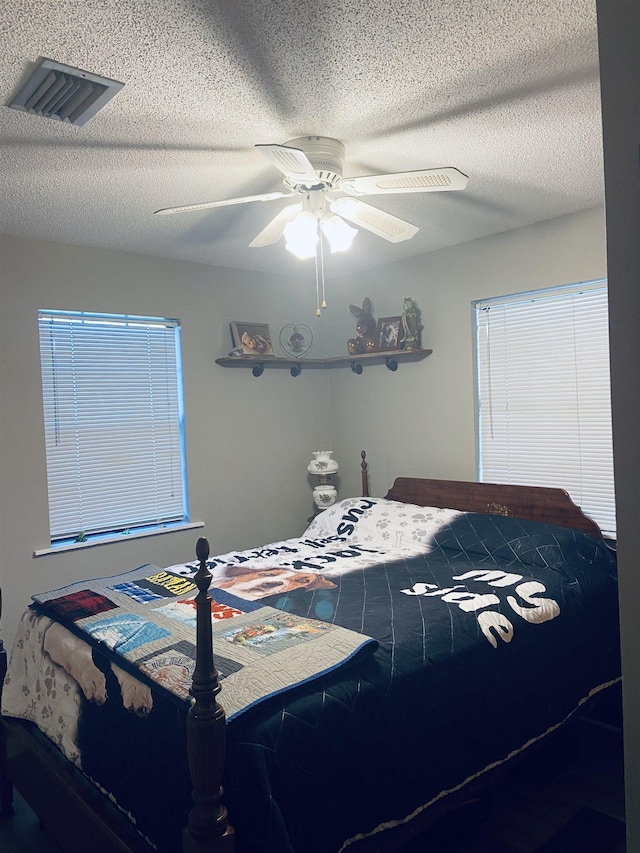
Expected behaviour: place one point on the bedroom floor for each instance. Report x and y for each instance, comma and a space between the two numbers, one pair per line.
578, 808
22, 834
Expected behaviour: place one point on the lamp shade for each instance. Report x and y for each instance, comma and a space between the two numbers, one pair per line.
301, 235
322, 463
339, 235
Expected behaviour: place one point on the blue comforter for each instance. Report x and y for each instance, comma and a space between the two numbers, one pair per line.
487, 643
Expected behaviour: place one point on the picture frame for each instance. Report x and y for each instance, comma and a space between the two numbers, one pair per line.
252, 338
389, 334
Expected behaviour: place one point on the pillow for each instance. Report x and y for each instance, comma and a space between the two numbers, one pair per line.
379, 522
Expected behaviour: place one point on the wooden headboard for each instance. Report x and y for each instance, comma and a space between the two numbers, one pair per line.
537, 503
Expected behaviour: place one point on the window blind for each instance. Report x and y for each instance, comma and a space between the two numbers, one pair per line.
544, 394
113, 414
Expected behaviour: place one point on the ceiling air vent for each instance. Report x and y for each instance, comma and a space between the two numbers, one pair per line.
63, 93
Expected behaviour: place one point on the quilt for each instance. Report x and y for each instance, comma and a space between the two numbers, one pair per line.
145, 620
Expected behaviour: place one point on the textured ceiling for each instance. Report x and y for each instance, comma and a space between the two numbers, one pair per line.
505, 90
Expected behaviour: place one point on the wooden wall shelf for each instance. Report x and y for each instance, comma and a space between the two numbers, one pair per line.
297, 365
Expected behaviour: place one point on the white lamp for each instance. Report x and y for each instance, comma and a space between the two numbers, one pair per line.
323, 466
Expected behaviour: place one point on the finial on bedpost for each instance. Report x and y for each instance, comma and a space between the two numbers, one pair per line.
365, 475
202, 551
207, 830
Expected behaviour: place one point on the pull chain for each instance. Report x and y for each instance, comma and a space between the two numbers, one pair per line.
318, 311
324, 300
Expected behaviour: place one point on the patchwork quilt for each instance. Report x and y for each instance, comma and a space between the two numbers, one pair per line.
145, 621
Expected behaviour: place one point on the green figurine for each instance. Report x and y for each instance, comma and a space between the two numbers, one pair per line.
411, 323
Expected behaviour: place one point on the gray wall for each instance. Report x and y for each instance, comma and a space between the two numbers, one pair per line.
421, 419
248, 439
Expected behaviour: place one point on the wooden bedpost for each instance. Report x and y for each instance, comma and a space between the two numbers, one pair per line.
208, 830
365, 475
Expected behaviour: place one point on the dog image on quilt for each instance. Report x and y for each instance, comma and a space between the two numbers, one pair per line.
75, 657
253, 584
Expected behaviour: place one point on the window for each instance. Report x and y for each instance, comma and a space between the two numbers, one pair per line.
544, 394
114, 423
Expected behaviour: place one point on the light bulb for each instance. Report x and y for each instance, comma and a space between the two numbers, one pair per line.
301, 235
339, 235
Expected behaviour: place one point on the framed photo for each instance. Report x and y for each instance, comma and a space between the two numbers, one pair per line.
252, 338
389, 333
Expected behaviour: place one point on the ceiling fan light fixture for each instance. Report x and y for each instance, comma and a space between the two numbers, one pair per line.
339, 235
301, 235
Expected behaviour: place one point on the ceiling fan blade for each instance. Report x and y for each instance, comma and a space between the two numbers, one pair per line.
206, 205
378, 221
274, 230
292, 162
420, 181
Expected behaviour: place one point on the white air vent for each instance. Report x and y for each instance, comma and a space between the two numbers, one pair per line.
64, 93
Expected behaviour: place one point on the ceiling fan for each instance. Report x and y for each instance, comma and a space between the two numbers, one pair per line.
313, 172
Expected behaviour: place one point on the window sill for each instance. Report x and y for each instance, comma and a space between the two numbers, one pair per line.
122, 537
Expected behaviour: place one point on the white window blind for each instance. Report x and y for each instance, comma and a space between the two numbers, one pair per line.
544, 394
113, 412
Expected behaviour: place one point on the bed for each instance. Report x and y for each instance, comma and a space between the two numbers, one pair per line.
481, 618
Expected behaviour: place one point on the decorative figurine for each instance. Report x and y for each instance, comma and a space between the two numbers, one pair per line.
296, 340
365, 339
411, 321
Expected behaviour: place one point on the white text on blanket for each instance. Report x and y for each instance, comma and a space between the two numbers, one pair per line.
538, 610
